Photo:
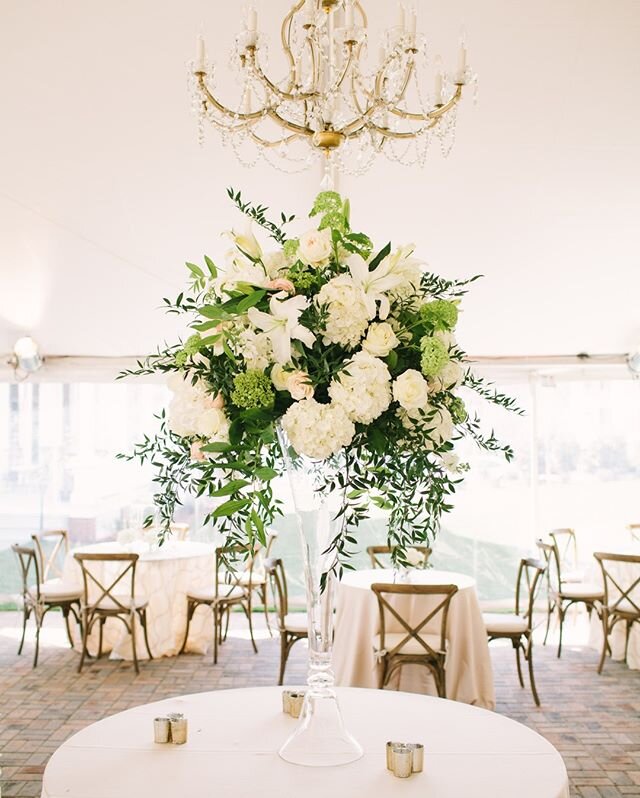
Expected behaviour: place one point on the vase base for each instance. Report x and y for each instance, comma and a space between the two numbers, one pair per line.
321, 739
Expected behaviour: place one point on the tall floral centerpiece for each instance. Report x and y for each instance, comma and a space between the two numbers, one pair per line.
334, 361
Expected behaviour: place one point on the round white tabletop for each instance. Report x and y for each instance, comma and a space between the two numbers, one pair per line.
468, 665
234, 736
164, 576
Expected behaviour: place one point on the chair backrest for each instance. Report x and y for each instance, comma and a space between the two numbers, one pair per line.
567, 545
620, 584
28, 562
528, 583
273, 536
103, 586
51, 549
378, 553
634, 530
275, 573
179, 531
234, 568
441, 593
551, 560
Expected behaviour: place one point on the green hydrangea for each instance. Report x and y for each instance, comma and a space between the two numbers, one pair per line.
304, 278
191, 346
326, 202
290, 248
334, 212
457, 409
441, 314
252, 389
434, 356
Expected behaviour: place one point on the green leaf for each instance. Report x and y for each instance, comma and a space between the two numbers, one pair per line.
265, 474
216, 447
235, 432
250, 301
230, 508
231, 487
213, 271
196, 271
380, 257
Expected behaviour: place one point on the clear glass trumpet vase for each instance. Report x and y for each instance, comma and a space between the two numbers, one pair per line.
320, 738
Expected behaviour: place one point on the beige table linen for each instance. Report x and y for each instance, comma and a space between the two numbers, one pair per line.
234, 736
625, 574
163, 577
468, 666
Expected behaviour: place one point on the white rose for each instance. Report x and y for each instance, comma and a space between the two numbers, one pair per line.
298, 385
450, 377
411, 390
279, 377
415, 557
380, 339
451, 462
315, 247
212, 424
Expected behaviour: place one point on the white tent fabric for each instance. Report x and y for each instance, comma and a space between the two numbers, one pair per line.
104, 191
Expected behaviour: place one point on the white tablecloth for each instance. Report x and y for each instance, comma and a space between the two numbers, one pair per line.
468, 666
234, 736
625, 574
163, 577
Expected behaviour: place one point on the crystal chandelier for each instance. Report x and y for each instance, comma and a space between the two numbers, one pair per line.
331, 102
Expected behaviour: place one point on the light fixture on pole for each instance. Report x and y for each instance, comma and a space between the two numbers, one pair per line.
26, 357
332, 99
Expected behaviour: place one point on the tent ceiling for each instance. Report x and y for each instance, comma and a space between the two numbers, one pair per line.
104, 191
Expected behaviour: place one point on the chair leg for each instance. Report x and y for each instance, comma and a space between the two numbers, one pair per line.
550, 608
85, 635
561, 615
265, 604
100, 627
216, 621
38, 625
284, 656
253, 642
629, 624
134, 646
25, 617
517, 646
191, 608
143, 622
605, 642
65, 613
529, 654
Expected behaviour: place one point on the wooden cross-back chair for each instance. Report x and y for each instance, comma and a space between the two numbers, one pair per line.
255, 577
377, 555
634, 531
566, 542
292, 626
122, 605
412, 646
51, 557
38, 597
518, 627
560, 594
232, 587
620, 603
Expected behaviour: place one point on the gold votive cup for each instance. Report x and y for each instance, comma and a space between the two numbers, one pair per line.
402, 761
161, 730
292, 701
417, 760
390, 747
178, 731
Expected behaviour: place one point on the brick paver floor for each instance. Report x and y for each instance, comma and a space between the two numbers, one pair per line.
594, 721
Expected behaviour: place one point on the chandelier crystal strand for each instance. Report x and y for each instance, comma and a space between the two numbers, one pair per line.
329, 104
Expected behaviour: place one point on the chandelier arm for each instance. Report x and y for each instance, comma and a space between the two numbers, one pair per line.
393, 134
303, 131
266, 143
271, 86
365, 21
285, 36
252, 115
348, 64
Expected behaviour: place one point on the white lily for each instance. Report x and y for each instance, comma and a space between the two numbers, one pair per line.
281, 325
376, 284
246, 241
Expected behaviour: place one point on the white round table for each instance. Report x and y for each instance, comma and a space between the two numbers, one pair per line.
163, 577
468, 665
234, 736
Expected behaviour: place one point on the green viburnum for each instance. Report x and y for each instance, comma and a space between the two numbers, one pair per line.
252, 389
302, 276
434, 356
458, 410
191, 346
441, 314
290, 248
334, 212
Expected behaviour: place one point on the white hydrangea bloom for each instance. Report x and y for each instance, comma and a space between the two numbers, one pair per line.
255, 348
450, 377
194, 411
317, 431
363, 389
348, 316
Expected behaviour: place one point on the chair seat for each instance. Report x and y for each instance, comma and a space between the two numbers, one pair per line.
256, 578
586, 590
56, 590
225, 593
624, 608
576, 575
411, 647
111, 605
296, 622
497, 623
